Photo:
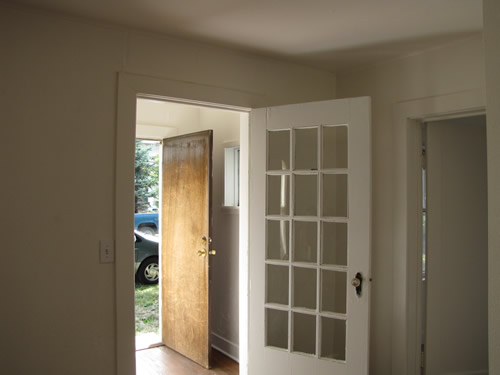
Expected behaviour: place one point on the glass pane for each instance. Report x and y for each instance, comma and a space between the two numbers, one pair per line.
278, 195
277, 328
306, 149
334, 243
335, 195
305, 241
335, 147
277, 284
304, 333
278, 150
277, 239
333, 291
333, 338
304, 287
306, 193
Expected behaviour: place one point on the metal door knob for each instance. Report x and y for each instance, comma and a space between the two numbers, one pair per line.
357, 283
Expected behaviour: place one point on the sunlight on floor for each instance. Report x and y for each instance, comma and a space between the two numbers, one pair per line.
147, 340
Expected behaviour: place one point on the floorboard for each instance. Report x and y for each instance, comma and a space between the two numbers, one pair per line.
165, 361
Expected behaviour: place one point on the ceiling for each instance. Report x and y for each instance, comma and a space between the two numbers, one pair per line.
328, 34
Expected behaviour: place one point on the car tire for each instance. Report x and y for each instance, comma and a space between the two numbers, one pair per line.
148, 230
149, 271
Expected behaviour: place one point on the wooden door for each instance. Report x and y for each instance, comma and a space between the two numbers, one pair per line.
186, 212
310, 189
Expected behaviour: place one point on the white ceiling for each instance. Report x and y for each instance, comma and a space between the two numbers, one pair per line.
328, 34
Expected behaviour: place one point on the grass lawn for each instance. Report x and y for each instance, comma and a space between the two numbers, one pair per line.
146, 308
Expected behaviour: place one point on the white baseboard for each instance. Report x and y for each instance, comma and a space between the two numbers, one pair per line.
226, 347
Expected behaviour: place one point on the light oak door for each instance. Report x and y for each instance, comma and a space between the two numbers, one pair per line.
310, 187
185, 261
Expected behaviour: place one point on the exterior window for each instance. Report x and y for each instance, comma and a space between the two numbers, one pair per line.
232, 176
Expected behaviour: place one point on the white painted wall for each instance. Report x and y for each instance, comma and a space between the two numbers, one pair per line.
492, 57
451, 69
58, 139
158, 120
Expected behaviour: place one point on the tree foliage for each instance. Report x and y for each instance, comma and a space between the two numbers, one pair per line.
146, 177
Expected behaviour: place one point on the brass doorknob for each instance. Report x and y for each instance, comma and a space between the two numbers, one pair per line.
212, 252
355, 282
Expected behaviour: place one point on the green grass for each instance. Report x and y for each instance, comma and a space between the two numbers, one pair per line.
146, 308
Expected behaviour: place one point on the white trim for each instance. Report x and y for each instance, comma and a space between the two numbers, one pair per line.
244, 276
407, 117
130, 87
225, 346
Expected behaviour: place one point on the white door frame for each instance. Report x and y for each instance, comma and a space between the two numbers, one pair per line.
130, 87
406, 226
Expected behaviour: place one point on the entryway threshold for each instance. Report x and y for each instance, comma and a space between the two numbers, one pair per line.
147, 341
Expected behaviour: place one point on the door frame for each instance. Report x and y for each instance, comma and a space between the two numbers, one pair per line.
131, 87
406, 227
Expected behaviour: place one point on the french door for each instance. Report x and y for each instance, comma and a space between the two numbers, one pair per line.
310, 185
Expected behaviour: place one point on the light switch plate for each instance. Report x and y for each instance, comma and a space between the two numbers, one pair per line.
106, 251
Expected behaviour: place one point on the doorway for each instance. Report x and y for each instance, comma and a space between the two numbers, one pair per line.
453, 298
158, 120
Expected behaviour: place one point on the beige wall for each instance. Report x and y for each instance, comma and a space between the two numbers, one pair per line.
492, 57
59, 90
450, 69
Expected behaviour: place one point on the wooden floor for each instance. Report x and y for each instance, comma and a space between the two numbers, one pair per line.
164, 361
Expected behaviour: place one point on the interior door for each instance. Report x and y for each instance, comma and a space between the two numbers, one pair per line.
310, 213
186, 196
457, 248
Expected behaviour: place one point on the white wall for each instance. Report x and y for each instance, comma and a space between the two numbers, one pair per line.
224, 271
59, 92
453, 68
492, 57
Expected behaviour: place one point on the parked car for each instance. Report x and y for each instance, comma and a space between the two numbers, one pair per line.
146, 223
147, 269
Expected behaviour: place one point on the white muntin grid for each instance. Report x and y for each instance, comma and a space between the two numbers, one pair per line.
288, 178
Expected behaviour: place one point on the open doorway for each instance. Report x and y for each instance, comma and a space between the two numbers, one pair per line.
158, 120
146, 243
454, 277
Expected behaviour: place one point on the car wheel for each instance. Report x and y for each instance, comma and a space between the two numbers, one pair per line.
149, 271
148, 230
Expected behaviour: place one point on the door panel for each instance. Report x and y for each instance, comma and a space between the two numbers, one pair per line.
309, 237
457, 247
187, 163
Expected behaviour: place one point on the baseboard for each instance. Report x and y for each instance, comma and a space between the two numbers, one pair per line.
226, 347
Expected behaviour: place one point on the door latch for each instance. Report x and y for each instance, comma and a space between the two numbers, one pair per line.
357, 283
205, 242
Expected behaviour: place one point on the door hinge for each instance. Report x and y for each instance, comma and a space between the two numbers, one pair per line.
422, 358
